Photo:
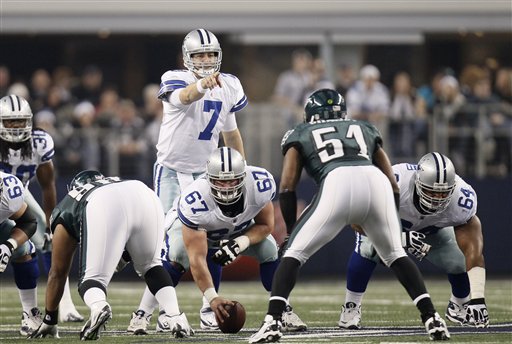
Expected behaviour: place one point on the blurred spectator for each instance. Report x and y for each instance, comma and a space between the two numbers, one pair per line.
153, 113
58, 103
319, 79
407, 130
19, 89
5, 80
39, 85
90, 86
368, 99
107, 107
428, 96
503, 84
292, 85
130, 142
63, 79
345, 78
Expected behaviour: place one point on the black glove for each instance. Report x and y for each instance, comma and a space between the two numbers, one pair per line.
5, 255
413, 242
477, 314
282, 247
227, 253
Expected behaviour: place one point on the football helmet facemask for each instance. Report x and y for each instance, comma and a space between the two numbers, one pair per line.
201, 41
15, 119
324, 104
435, 182
225, 170
83, 178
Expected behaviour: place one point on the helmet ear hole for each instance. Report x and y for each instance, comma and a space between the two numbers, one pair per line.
225, 172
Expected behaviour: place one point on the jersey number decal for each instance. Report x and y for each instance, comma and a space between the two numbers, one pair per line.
329, 149
467, 202
192, 198
262, 181
14, 190
210, 105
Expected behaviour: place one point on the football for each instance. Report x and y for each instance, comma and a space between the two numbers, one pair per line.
236, 319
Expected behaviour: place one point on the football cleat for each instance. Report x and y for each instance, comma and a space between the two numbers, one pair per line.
30, 321
96, 323
179, 326
161, 323
208, 319
139, 323
436, 328
291, 321
350, 317
456, 313
70, 315
269, 332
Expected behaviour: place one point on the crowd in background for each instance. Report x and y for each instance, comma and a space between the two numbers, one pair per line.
95, 127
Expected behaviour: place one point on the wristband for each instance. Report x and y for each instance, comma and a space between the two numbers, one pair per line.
210, 294
13, 243
243, 242
51, 317
200, 87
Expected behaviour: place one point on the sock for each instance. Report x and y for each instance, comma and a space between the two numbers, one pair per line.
47, 261
284, 281
460, 288
353, 297
95, 298
25, 277
66, 303
267, 271
28, 298
359, 272
167, 299
148, 303
476, 277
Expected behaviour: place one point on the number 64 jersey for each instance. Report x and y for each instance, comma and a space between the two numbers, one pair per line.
197, 209
461, 208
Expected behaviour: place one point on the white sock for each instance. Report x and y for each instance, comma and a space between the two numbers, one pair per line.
460, 301
206, 304
28, 298
148, 303
477, 282
351, 296
95, 298
66, 303
166, 297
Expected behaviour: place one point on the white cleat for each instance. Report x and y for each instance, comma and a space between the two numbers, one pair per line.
70, 315
180, 328
350, 317
456, 313
291, 321
96, 323
436, 328
269, 332
208, 319
139, 323
30, 321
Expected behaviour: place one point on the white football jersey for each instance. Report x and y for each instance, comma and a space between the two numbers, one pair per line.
190, 133
461, 208
11, 197
25, 168
197, 209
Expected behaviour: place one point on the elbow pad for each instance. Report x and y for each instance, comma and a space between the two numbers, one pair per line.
27, 223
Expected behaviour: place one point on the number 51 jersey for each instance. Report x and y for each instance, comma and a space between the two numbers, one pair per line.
461, 208
197, 209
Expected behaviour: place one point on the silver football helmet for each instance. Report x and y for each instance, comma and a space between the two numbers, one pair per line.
15, 108
435, 182
225, 170
201, 41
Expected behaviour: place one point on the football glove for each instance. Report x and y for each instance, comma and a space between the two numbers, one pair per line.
477, 314
44, 331
413, 242
227, 253
48, 237
5, 255
282, 247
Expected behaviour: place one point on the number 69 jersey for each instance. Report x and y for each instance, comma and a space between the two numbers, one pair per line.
326, 145
197, 209
11, 195
461, 208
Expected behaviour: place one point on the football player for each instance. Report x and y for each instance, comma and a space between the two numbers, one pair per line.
27, 152
357, 186
218, 217
15, 246
438, 214
84, 219
199, 105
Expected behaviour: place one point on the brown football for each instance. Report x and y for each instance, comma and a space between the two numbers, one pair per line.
236, 319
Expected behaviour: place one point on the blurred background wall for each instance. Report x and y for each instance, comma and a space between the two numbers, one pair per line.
91, 70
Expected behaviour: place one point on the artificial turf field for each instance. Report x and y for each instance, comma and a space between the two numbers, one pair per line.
388, 313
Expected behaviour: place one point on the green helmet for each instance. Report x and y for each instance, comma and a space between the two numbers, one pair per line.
83, 178
325, 104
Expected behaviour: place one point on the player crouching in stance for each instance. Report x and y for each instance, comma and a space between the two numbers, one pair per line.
356, 186
438, 214
225, 214
103, 215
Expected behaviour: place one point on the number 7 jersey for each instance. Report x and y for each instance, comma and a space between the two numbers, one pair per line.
326, 145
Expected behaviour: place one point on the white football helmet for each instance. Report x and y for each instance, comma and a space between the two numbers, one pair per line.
435, 182
201, 41
226, 165
16, 108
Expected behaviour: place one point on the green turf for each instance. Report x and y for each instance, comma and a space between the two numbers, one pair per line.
386, 306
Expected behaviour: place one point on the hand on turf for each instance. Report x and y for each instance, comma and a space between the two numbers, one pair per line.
44, 331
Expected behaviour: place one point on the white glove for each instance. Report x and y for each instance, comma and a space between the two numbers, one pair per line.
413, 242
5, 255
477, 314
45, 330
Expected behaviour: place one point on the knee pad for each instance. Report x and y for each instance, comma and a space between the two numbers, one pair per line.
26, 273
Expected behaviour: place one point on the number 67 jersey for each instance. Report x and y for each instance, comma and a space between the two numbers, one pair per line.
461, 208
197, 209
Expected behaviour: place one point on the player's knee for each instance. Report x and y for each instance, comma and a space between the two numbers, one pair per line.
157, 278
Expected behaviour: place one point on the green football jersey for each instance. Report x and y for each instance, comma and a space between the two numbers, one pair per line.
70, 211
326, 145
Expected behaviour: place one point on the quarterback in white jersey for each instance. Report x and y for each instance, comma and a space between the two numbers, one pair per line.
438, 215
